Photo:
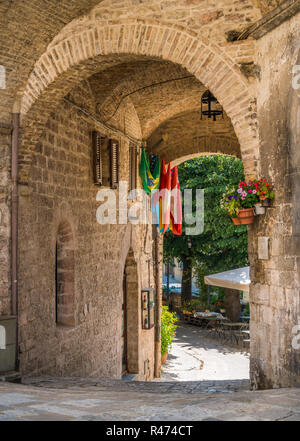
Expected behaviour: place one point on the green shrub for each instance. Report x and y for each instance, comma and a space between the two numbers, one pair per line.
168, 328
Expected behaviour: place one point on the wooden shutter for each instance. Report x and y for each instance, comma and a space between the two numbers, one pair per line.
132, 166
114, 163
97, 141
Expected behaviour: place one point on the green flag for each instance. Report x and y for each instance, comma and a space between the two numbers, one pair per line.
150, 181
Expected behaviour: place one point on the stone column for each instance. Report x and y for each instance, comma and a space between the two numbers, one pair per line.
5, 148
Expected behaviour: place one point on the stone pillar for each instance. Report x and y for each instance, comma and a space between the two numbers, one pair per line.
5, 148
274, 293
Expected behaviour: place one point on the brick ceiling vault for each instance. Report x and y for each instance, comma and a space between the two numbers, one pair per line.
29, 26
78, 57
187, 134
167, 100
157, 89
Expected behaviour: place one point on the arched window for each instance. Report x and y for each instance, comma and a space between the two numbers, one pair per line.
64, 276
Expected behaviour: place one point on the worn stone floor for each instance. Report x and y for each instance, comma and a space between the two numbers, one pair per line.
195, 357
217, 389
118, 401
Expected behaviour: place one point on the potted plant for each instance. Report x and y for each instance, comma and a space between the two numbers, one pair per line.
221, 307
231, 203
168, 329
248, 196
240, 202
265, 192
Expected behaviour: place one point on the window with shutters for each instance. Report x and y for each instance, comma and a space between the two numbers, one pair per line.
132, 166
114, 163
101, 159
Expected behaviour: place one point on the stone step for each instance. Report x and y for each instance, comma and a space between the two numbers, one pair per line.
10, 377
159, 387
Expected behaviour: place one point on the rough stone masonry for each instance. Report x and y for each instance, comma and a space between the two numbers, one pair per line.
135, 71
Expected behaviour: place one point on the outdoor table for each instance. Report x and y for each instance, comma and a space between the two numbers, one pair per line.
226, 329
236, 325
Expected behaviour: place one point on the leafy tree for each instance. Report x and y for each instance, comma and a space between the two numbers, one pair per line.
222, 245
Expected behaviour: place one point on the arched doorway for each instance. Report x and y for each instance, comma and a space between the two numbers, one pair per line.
124, 326
130, 317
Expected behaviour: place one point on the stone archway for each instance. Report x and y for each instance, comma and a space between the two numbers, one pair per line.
73, 58
79, 56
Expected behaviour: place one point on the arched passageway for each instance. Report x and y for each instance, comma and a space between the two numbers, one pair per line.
134, 95
132, 81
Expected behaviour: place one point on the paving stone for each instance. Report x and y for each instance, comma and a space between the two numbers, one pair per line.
111, 404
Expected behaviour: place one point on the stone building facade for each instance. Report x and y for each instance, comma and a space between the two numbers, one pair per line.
135, 71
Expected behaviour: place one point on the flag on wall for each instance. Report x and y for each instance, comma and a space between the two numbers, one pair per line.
175, 206
166, 203
164, 197
150, 180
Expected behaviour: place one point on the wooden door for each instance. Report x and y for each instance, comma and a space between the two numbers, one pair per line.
124, 327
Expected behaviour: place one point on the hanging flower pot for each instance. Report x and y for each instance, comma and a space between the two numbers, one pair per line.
236, 220
246, 216
259, 209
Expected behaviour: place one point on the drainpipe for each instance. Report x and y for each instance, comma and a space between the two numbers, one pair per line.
14, 224
157, 355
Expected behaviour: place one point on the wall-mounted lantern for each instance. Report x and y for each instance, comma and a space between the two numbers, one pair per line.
148, 320
210, 106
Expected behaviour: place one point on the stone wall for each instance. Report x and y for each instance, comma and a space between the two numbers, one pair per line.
5, 293
60, 191
275, 290
252, 81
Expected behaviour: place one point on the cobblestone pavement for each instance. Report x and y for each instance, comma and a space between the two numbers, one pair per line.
196, 357
218, 390
79, 399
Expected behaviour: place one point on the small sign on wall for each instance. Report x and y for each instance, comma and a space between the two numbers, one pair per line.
2, 338
148, 308
263, 248
8, 332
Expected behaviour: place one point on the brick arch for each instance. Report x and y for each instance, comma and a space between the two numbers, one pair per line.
83, 53
202, 146
185, 158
